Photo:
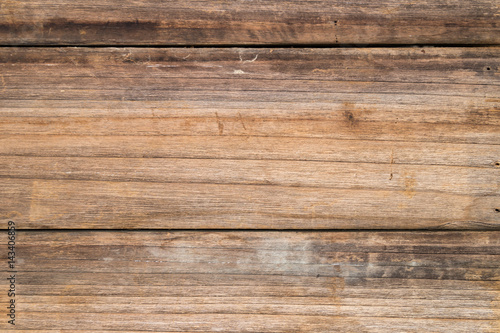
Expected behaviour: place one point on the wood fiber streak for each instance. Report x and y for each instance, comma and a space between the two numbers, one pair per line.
330, 22
250, 138
179, 281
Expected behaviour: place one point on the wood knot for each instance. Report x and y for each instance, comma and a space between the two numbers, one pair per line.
350, 119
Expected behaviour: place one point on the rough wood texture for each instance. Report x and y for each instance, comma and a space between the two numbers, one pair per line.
257, 281
189, 22
250, 138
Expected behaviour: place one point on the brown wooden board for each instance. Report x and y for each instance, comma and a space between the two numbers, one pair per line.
241, 22
331, 115
250, 138
198, 281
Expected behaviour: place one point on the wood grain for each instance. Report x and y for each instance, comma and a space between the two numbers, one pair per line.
292, 22
180, 281
161, 136
250, 138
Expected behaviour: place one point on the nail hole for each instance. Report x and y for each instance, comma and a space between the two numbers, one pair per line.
497, 164
497, 210
488, 68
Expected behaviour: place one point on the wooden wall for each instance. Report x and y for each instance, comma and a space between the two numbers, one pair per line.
250, 166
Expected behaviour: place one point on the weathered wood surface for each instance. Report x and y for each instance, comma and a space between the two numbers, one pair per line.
188, 22
250, 138
180, 281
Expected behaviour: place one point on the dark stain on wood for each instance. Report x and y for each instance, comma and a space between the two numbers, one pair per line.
125, 27
63, 25
350, 119
243, 23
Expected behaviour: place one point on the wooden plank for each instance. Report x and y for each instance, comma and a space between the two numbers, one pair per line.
374, 176
91, 204
148, 22
442, 95
250, 138
179, 281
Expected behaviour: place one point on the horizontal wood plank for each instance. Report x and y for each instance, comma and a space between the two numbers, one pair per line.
292, 22
417, 95
108, 205
374, 176
250, 138
179, 281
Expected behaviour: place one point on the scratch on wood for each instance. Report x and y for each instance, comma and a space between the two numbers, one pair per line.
245, 61
392, 162
220, 125
242, 123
